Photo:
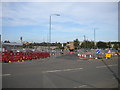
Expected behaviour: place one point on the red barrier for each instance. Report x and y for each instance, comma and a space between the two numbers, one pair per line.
0, 56
19, 56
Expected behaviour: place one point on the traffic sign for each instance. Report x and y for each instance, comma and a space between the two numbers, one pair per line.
108, 55
97, 51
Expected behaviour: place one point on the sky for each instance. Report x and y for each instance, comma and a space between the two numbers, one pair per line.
30, 20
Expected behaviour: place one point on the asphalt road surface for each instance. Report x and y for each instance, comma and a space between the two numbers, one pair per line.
66, 71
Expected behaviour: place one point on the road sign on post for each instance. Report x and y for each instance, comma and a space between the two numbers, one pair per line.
108, 55
97, 51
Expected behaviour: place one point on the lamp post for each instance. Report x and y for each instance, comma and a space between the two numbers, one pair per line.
94, 38
85, 41
95, 35
50, 27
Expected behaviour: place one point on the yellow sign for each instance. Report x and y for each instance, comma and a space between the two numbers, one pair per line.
108, 55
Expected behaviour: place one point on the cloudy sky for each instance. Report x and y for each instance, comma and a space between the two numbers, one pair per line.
31, 21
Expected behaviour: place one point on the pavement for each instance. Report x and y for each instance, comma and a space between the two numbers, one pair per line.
66, 71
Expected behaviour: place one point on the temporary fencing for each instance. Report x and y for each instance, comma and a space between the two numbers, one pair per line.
91, 54
22, 56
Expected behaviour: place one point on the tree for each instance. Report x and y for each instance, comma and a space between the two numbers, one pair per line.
109, 45
83, 45
101, 44
6, 41
87, 44
76, 43
116, 46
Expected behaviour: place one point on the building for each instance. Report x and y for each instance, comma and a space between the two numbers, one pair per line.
45, 47
12, 45
70, 45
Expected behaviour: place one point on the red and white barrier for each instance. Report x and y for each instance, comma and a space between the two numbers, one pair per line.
84, 57
90, 57
78, 55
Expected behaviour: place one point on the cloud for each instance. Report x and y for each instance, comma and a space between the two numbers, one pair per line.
30, 13
60, 1
38, 13
80, 17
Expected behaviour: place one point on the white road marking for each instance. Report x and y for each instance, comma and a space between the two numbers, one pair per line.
81, 86
106, 66
62, 70
5, 75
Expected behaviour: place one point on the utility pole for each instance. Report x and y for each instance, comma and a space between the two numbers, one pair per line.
85, 40
94, 34
84, 37
94, 38
50, 27
21, 39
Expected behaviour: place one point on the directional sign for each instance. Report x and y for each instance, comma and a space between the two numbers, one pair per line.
108, 55
98, 51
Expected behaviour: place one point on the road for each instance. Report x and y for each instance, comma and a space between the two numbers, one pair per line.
66, 71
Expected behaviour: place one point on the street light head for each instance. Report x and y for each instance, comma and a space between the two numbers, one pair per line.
56, 14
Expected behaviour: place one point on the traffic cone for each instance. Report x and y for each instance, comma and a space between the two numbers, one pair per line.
90, 57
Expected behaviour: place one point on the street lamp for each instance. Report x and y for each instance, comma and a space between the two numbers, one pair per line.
50, 27
94, 35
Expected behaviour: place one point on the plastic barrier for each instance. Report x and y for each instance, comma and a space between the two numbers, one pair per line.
0, 56
21, 56
90, 57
